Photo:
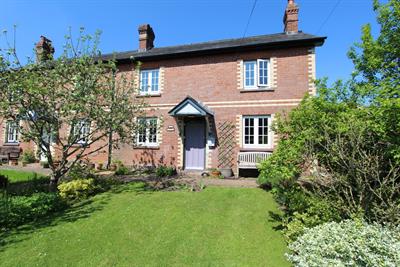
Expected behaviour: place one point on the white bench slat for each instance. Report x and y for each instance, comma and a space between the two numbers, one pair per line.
250, 160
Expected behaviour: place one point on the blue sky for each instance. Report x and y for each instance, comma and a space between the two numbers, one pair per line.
181, 22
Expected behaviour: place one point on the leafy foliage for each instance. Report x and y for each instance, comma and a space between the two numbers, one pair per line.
28, 156
305, 211
342, 147
57, 98
122, 169
348, 243
17, 210
77, 189
79, 170
165, 171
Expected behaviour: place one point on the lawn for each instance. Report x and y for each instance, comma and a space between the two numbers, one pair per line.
18, 176
215, 227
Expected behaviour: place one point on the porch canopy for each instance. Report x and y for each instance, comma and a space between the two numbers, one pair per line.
190, 107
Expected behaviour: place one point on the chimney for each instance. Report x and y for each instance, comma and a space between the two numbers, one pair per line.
146, 37
44, 50
291, 18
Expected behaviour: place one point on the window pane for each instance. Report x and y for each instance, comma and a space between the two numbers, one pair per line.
144, 81
154, 81
249, 74
12, 132
255, 131
152, 130
249, 131
82, 131
141, 130
263, 131
263, 72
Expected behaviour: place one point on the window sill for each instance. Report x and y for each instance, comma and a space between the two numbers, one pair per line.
11, 144
268, 149
147, 147
260, 89
149, 95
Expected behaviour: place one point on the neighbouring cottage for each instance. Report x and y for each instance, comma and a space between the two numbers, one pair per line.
211, 103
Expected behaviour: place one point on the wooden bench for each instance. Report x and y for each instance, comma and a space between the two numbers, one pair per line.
251, 160
8, 153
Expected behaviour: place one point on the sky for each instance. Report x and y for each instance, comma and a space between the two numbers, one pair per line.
188, 21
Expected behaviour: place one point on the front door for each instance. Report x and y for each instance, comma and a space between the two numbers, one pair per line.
195, 143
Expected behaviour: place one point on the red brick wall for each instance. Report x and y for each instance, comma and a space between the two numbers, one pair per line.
213, 80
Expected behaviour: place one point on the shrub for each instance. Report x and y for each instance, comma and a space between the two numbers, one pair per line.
4, 181
122, 169
17, 210
335, 151
77, 189
80, 170
28, 156
304, 211
348, 243
169, 171
163, 171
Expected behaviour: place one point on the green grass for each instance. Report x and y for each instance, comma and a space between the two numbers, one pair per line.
19, 176
215, 227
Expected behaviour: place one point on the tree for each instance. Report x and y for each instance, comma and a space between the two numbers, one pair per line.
377, 72
342, 147
69, 106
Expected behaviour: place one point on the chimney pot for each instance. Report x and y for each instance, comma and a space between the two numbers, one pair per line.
44, 49
146, 37
291, 18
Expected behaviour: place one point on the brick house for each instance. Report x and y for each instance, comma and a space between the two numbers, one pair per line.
206, 96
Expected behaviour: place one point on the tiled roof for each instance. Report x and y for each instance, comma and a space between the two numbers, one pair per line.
254, 42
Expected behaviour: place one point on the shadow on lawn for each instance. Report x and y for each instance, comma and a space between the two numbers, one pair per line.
23, 188
77, 211
274, 217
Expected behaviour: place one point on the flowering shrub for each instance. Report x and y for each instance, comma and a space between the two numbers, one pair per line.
77, 189
348, 243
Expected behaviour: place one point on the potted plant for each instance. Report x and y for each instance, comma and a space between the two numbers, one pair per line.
99, 166
91, 165
226, 172
215, 172
113, 167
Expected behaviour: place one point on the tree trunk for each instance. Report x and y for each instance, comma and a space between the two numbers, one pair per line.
110, 144
53, 182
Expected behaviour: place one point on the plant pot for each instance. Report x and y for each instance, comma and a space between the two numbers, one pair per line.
215, 173
113, 167
226, 172
13, 162
99, 166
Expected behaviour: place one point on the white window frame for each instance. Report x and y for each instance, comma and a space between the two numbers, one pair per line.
257, 84
147, 142
256, 132
12, 132
82, 131
150, 82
